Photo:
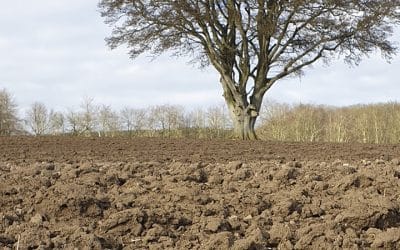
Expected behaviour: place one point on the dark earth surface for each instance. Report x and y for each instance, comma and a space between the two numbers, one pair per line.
152, 193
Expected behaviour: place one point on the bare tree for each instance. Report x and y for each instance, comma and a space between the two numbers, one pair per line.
196, 123
199, 118
157, 120
175, 118
166, 118
9, 123
133, 119
127, 118
372, 123
57, 123
37, 118
73, 120
338, 123
217, 120
108, 121
88, 116
253, 44
274, 120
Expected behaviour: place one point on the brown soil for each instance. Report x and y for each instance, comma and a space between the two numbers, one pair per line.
120, 193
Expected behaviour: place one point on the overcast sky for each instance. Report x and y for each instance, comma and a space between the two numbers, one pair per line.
53, 51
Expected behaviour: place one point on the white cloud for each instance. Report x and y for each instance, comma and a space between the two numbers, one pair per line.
374, 80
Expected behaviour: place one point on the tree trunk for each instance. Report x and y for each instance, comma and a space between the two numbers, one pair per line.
244, 120
244, 127
243, 112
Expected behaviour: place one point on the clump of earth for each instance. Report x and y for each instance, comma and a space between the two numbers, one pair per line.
119, 193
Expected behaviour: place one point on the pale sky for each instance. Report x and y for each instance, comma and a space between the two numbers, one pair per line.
53, 51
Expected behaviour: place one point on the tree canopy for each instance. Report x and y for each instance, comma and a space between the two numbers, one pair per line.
253, 43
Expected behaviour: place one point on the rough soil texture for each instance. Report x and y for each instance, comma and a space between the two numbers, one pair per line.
120, 193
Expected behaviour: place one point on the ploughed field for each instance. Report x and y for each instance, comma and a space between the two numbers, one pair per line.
147, 193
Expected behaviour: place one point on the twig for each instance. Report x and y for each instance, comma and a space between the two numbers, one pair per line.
19, 237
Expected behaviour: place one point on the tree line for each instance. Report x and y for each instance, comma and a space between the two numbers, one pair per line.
93, 119
363, 123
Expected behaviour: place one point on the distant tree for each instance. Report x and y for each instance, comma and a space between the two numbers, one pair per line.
309, 122
199, 119
196, 122
372, 123
274, 120
253, 44
57, 123
157, 120
127, 118
108, 121
166, 118
88, 116
175, 118
74, 122
217, 120
37, 118
9, 122
338, 123
133, 119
